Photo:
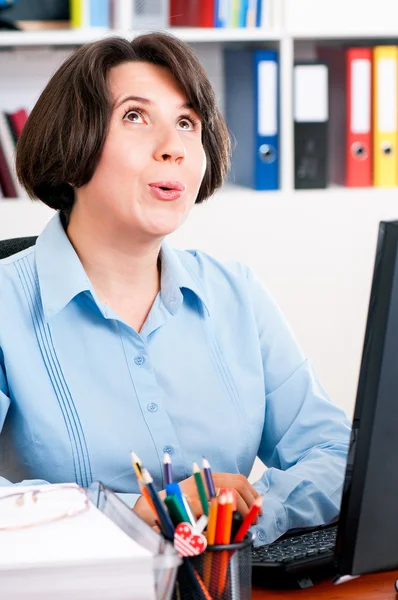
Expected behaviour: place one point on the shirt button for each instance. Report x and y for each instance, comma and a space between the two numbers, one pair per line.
260, 534
139, 360
152, 407
168, 449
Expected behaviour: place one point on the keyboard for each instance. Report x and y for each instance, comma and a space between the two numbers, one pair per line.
295, 561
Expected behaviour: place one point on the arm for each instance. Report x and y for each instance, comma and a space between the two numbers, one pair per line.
305, 438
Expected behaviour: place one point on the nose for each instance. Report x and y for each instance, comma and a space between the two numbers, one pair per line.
170, 146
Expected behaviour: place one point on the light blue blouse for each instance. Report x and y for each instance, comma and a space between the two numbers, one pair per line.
215, 371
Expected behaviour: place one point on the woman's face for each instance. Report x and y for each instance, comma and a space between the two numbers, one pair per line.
153, 161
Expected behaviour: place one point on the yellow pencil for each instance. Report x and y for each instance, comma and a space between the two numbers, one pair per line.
137, 465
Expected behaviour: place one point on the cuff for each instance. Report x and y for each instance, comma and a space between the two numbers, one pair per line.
272, 524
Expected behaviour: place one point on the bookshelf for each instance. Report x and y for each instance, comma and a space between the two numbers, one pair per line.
313, 249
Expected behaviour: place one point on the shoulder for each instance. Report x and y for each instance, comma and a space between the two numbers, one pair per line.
13, 267
210, 271
230, 285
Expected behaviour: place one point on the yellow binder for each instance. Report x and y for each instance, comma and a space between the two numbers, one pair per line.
385, 113
76, 13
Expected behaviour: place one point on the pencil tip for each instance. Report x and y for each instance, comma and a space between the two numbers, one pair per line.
195, 467
134, 457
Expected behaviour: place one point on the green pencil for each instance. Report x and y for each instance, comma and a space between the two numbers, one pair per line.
201, 488
176, 511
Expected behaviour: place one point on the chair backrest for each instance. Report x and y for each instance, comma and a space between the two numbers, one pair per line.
14, 245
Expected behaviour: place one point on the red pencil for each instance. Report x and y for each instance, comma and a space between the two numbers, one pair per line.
248, 520
221, 514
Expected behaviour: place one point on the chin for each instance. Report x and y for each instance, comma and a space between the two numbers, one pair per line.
164, 227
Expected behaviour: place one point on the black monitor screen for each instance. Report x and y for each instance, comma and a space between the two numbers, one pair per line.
367, 538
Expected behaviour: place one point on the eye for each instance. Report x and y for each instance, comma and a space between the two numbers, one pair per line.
188, 123
134, 116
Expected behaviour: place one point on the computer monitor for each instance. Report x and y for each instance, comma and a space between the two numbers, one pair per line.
367, 536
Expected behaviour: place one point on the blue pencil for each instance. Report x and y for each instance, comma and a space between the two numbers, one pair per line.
168, 477
209, 478
166, 524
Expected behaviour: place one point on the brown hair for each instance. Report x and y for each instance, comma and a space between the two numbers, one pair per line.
61, 143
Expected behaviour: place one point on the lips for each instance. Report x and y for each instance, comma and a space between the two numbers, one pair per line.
167, 190
168, 185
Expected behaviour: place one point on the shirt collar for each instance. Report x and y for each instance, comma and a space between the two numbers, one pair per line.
62, 276
177, 276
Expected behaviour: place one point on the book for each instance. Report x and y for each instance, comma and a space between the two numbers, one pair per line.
81, 556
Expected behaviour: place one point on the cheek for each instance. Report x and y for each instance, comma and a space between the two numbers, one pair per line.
119, 159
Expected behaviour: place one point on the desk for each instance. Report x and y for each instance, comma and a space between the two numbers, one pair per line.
380, 586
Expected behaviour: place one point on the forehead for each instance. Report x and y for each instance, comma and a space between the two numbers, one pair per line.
144, 79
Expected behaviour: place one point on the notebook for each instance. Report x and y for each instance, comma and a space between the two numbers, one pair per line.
85, 556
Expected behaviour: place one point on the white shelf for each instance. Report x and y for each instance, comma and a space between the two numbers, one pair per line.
341, 19
75, 37
232, 191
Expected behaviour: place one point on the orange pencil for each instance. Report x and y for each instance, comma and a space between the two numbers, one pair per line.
224, 558
210, 535
147, 497
248, 520
211, 525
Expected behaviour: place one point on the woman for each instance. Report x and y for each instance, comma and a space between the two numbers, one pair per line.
112, 341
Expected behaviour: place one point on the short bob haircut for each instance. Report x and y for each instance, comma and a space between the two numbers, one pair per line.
61, 142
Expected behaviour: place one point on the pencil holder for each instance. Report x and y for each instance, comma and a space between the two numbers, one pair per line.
222, 572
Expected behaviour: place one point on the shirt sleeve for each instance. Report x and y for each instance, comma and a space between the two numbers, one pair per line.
4, 406
305, 438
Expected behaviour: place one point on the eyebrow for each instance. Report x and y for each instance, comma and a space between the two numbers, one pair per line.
145, 101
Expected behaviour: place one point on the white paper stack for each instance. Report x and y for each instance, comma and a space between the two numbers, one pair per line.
81, 557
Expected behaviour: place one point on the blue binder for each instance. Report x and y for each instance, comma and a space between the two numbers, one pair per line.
99, 13
221, 13
252, 115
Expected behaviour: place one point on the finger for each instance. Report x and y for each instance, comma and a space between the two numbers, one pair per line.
248, 492
243, 487
241, 505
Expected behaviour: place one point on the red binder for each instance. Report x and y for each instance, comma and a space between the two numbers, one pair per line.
18, 120
359, 117
191, 13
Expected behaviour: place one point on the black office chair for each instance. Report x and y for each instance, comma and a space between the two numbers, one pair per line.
14, 245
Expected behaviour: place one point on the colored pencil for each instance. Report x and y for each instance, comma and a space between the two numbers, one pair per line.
211, 526
221, 513
173, 489
201, 488
209, 478
168, 477
224, 558
137, 464
176, 510
228, 518
188, 509
166, 524
249, 519
147, 497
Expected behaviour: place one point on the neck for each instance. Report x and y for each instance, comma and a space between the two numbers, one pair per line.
114, 261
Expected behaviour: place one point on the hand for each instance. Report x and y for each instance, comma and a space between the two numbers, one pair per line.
245, 495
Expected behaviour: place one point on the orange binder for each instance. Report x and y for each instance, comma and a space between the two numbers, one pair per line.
358, 117
385, 113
